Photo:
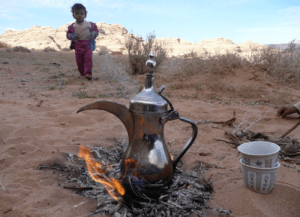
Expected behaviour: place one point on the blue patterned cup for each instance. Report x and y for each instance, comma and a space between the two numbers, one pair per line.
259, 154
260, 180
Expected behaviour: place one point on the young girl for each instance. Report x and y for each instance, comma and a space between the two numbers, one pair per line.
82, 34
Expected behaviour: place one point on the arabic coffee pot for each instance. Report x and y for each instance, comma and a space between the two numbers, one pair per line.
147, 157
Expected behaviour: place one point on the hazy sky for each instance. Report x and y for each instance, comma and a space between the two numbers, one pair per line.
261, 21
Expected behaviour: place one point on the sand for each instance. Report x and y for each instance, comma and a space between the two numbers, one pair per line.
39, 125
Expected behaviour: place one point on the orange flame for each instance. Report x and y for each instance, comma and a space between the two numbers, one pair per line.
97, 173
171, 156
130, 164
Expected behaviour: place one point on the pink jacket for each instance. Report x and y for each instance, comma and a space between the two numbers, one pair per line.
71, 32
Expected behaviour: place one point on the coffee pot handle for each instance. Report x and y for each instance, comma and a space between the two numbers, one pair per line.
173, 115
189, 143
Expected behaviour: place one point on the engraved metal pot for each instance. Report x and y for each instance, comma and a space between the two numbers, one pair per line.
147, 157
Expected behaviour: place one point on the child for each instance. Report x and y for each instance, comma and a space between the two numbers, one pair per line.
82, 34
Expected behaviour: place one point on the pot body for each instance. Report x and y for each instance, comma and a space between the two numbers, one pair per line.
147, 157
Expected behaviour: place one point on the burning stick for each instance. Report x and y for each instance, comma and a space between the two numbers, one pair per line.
79, 188
97, 173
102, 175
290, 130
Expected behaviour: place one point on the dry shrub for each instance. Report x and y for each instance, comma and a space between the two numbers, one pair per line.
138, 52
192, 54
281, 98
116, 53
103, 50
49, 49
66, 49
283, 65
21, 49
209, 63
4, 45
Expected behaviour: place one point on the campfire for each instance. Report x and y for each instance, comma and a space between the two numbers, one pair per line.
141, 179
95, 173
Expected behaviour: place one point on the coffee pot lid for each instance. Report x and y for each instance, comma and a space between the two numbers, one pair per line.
148, 100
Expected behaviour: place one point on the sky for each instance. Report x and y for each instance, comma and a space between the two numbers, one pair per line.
260, 21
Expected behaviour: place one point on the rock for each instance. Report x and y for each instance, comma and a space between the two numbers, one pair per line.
113, 36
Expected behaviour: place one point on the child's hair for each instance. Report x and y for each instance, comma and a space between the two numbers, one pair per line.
78, 6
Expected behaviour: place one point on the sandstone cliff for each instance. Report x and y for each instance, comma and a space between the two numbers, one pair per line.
113, 36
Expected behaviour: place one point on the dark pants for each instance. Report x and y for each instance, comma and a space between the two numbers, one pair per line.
84, 54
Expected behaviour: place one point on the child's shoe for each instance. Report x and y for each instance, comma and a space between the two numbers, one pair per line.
88, 77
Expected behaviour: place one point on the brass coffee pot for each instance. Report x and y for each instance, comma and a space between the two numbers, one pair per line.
147, 157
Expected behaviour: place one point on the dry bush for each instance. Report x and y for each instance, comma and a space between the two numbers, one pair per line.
66, 49
138, 52
4, 45
281, 98
116, 53
209, 63
21, 49
192, 54
283, 65
49, 49
103, 50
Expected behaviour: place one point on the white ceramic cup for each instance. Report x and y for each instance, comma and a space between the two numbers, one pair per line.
259, 154
261, 180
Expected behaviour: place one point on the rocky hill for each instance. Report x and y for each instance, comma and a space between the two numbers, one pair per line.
113, 36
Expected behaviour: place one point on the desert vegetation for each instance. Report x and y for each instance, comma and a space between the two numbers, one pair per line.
282, 65
49, 49
103, 50
192, 76
138, 52
4, 45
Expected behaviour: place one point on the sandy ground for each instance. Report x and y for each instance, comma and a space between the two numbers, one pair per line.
39, 125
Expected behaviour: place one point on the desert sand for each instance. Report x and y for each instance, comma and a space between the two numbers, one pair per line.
39, 125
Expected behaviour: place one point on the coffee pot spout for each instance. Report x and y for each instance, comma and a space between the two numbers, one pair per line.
118, 109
